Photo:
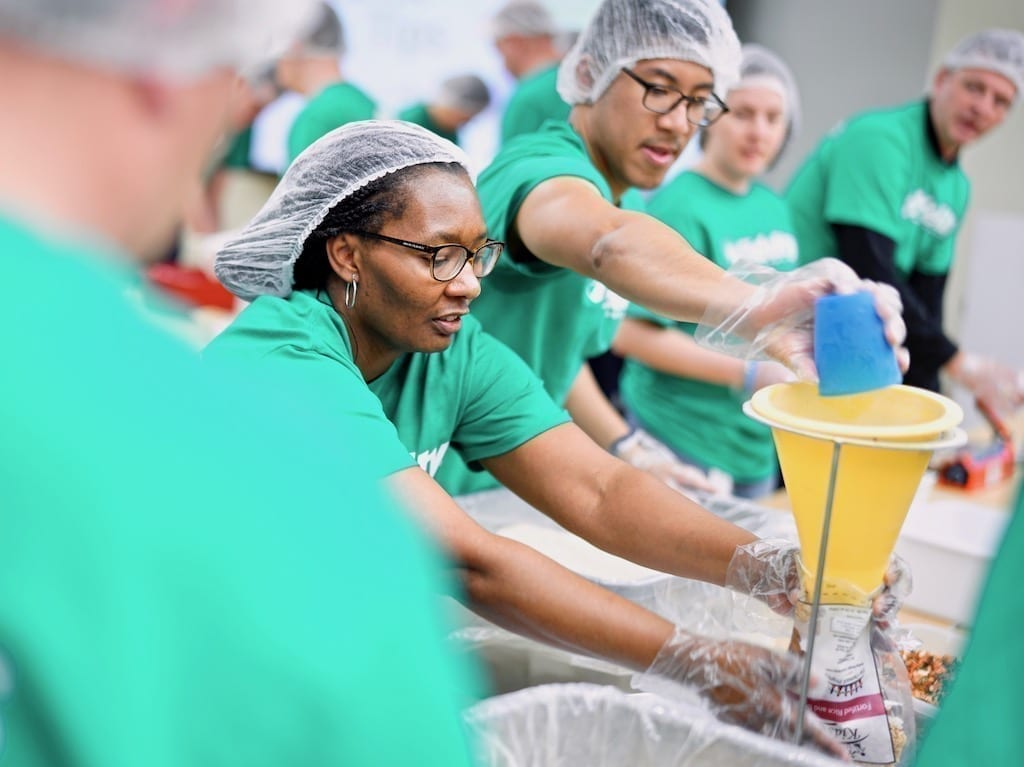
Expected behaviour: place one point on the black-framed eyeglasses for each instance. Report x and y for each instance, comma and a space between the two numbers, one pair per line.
701, 111
448, 260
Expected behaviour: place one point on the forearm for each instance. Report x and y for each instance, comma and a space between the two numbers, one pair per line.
525, 592
592, 412
618, 508
650, 264
671, 351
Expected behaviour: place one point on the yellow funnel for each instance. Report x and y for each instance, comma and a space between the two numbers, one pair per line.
885, 438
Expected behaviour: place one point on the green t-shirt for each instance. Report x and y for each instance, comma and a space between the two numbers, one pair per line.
417, 113
697, 418
186, 576
552, 317
979, 720
237, 155
334, 106
879, 171
534, 101
476, 396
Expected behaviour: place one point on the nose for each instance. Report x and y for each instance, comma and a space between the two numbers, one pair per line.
465, 285
676, 123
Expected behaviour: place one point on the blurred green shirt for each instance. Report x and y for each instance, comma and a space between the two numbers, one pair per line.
879, 171
417, 113
534, 100
332, 107
187, 577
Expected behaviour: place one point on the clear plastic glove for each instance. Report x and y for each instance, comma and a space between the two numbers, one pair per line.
762, 373
769, 570
742, 683
777, 320
993, 384
640, 449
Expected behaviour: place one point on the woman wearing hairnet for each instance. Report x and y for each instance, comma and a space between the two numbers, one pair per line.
689, 397
642, 78
363, 266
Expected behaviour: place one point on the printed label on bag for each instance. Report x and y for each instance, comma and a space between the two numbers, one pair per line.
852, 705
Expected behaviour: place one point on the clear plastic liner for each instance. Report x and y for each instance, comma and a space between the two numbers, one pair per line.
571, 725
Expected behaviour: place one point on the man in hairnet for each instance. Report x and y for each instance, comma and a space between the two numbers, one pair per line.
526, 37
885, 193
177, 585
642, 78
458, 100
312, 67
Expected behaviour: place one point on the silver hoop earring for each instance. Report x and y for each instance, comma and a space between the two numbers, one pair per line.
351, 289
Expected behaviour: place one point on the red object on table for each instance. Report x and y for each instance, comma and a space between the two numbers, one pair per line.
192, 286
974, 468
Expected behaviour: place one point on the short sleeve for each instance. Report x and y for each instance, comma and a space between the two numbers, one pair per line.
505, 402
867, 180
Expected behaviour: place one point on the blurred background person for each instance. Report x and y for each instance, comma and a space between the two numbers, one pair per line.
885, 193
527, 39
458, 100
687, 396
313, 69
157, 607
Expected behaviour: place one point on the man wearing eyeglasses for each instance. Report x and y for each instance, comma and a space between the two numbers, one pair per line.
642, 79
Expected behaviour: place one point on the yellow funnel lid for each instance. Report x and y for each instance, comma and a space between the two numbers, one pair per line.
896, 413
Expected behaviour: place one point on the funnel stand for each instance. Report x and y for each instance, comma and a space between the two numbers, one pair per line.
819, 578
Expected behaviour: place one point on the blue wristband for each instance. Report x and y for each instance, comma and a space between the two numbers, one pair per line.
749, 375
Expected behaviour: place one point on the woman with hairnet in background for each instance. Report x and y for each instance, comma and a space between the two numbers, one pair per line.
362, 267
687, 396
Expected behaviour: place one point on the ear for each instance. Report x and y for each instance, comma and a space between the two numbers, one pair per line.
584, 75
153, 96
343, 256
940, 77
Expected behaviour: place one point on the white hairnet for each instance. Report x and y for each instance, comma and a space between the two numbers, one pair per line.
623, 32
261, 259
760, 68
171, 39
523, 17
997, 50
467, 93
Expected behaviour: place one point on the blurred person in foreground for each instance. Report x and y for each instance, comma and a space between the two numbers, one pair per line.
457, 101
979, 718
178, 584
312, 67
885, 193
642, 78
687, 396
527, 39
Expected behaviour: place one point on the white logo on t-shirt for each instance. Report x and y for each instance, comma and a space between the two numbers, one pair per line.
612, 303
776, 247
430, 460
923, 210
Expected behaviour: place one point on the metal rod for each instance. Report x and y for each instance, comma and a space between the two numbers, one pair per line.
812, 629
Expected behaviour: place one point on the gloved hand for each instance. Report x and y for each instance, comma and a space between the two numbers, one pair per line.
776, 321
769, 570
762, 373
638, 448
742, 683
992, 383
